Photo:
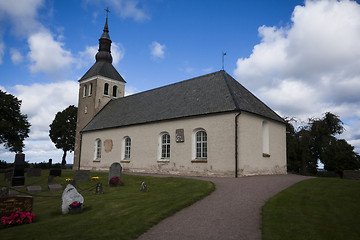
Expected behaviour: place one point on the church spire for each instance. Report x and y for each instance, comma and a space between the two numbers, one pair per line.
104, 53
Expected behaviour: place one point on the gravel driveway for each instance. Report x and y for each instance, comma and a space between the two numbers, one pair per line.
232, 211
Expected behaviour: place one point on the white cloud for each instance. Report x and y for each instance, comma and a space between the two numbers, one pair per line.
157, 50
23, 14
16, 56
310, 67
47, 55
42, 101
130, 90
129, 9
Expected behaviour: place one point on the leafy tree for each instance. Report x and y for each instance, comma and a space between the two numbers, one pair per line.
62, 130
14, 126
316, 141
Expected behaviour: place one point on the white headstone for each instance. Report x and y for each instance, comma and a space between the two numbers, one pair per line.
69, 196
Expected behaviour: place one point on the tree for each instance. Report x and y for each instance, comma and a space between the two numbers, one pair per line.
14, 126
317, 141
62, 130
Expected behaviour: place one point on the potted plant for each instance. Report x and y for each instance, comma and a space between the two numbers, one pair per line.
75, 207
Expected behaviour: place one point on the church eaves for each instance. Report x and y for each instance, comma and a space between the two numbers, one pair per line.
103, 65
213, 93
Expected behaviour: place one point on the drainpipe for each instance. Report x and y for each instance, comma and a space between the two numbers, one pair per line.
236, 144
80, 149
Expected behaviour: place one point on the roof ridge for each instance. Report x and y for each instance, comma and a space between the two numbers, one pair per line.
230, 90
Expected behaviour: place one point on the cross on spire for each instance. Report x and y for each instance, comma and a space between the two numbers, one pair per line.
107, 12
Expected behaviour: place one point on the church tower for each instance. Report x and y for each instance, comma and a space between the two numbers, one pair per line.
100, 84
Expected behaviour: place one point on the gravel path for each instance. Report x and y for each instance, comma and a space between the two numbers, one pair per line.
232, 211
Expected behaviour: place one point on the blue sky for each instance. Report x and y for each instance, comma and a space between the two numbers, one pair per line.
302, 58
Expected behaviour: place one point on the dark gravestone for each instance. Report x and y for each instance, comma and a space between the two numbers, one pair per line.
34, 172
18, 178
55, 187
56, 172
50, 179
50, 163
9, 205
115, 171
82, 175
32, 189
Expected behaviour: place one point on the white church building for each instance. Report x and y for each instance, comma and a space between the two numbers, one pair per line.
205, 126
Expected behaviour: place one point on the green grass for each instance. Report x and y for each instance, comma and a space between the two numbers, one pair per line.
120, 213
320, 208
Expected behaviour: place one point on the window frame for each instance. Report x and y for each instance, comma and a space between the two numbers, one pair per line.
98, 149
165, 146
84, 90
127, 148
106, 89
200, 144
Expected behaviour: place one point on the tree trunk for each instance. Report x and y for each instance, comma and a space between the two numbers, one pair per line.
63, 162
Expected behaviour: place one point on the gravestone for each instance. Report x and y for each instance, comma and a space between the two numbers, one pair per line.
143, 187
115, 171
56, 172
50, 179
55, 187
34, 172
99, 188
50, 163
32, 189
82, 175
18, 178
69, 196
9, 205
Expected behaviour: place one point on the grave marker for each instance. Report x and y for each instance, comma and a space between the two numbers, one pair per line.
55, 187
32, 189
115, 170
56, 172
9, 205
18, 178
82, 175
34, 172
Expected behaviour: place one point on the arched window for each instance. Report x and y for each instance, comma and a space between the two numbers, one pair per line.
114, 91
90, 89
106, 89
265, 138
98, 149
84, 91
165, 146
201, 144
127, 147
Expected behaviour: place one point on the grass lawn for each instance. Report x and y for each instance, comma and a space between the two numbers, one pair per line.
320, 208
120, 213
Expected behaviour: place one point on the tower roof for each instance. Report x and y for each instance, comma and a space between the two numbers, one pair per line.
103, 65
217, 92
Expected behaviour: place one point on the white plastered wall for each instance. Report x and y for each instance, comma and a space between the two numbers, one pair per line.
145, 147
252, 160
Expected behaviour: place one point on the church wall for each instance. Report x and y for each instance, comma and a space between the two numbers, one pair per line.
252, 159
146, 145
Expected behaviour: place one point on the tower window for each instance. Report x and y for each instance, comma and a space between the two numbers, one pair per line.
84, 91
106, 89
114, 91
90, 89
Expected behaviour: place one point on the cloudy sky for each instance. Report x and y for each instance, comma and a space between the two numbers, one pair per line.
302, 58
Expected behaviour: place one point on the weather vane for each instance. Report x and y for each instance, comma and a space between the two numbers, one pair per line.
107, 12
223, 54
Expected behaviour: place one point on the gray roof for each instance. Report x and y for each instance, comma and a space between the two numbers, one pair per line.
217, 92
105, 69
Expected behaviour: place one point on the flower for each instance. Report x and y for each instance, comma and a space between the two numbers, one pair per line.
68, 180
114, 180
18, 218
75, 205
95, 178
